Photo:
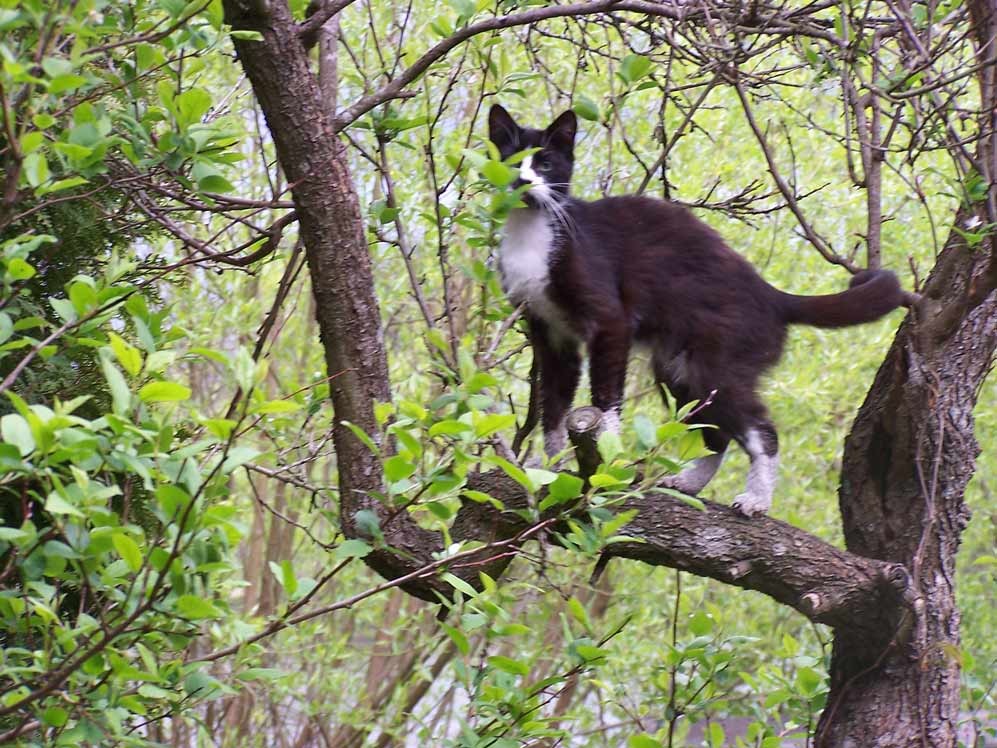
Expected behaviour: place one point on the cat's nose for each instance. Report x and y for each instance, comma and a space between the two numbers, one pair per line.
519, 182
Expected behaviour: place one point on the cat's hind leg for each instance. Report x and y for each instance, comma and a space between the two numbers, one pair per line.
560, 369
693, 479
738, 412
761, 442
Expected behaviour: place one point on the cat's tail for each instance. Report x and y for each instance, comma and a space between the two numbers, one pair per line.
870, 295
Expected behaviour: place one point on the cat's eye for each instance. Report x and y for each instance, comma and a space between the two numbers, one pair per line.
543, 166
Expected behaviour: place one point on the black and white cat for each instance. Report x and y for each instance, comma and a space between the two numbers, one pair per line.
621, 271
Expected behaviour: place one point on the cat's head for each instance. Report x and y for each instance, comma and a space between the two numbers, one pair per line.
547, 171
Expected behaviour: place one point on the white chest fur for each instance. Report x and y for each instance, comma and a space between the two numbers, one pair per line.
524, 258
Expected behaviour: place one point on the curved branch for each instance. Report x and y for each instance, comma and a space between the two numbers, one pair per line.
826, 584
440, 50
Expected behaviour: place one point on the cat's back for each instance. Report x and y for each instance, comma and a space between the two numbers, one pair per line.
644, 232
663, 259
637, 218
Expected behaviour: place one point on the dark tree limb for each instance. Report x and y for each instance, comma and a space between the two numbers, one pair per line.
793, 567
349, 322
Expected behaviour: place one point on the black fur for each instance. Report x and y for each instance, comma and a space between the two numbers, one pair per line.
636, 270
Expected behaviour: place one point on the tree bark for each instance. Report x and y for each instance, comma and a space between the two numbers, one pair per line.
908, 458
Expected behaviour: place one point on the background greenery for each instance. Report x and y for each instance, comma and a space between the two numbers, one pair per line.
168, 484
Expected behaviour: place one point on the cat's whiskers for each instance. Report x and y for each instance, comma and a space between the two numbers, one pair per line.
550, 203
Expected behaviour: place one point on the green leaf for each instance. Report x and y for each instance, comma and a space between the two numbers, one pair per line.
62, 184
701, 624
194, 608
64, 308
284, 574
36, 169
15, 430
31, 141
55, 504
360, 434
459, 584
692, 501
352, 548
128, 550
478, 381
238, 456
128, 355
397, 467
508, 665
160, 392
215, 183
589, 653
578, 612
62, 83
606, 480
585, 108
459, 638
717, 735
277, 407
513, 472
566, 487
492, 423
609, 445
449, 427
368, 523
498, 173
808, 680
643, 741
260, 673
120, 394
634, 67
19, 269
55, 716
647, 437
249, 36
191, 105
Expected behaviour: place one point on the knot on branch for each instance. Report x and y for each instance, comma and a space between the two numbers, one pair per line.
897, 578
584, 427
740, 570
816, 604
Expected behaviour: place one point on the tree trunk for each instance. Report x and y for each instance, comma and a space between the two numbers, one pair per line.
907, 461
332, 229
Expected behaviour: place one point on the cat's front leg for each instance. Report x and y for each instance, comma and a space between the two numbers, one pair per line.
560, 370
608, 353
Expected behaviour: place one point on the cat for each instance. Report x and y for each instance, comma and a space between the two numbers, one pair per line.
609, 274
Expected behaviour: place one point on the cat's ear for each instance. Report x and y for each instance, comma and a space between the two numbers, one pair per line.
561, 133
502, 129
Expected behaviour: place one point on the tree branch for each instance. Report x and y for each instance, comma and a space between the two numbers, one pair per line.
793, 567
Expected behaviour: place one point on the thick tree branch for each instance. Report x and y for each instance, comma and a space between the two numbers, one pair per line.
793, 567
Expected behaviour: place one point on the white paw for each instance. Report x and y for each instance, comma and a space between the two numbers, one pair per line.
750, 504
